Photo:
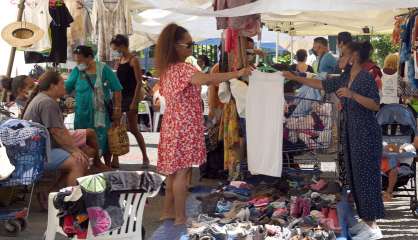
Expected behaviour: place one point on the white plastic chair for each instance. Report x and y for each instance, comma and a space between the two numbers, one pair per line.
144, 109
134, 204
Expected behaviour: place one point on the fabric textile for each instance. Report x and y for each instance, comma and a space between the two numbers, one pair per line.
264, 118
108, 20
46, 111
84, 108
389, 89
362, 144
103, 208
126, 76
79, 136
122, 181
61, 20
58, 157
229, 134
182, 142
327, 63
38, 14
248, 26
239, 91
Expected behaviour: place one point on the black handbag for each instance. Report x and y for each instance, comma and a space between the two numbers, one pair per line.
108, 104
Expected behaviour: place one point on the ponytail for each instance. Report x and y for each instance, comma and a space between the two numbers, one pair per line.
31, 97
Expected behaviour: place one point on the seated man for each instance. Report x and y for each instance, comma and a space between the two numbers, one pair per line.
43, 108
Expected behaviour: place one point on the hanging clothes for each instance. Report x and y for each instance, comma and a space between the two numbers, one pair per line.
37, 13
248, 26
109, 19
78, 30
61, 20
229, 134
264, 120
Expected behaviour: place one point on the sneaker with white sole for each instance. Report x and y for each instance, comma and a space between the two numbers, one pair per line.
369, 233
356, 229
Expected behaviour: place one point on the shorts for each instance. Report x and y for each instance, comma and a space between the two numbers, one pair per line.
388, 164
80, 137
57, 158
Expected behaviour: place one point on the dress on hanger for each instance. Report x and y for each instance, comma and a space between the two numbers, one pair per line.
77, 33
109, 19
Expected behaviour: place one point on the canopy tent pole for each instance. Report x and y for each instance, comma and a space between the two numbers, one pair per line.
21, 7
277, 46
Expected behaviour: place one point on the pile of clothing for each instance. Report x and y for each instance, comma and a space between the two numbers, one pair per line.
97, 200
300, 207
24, 151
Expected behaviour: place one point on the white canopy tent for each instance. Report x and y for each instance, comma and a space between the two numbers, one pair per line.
296, 17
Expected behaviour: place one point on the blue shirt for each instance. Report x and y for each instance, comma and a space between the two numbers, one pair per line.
327, 63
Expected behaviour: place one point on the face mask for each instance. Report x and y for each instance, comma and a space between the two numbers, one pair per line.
116, 54
82, 67
314, 52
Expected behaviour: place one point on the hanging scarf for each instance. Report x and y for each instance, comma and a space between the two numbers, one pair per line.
99, 98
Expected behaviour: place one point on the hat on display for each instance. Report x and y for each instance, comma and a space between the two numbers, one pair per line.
22, 34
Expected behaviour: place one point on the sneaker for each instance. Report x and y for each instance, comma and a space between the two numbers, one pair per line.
356, 229
369, 234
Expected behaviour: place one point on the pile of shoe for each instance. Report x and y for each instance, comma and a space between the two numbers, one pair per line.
282, 211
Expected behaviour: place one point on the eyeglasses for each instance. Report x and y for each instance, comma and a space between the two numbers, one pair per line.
187, 45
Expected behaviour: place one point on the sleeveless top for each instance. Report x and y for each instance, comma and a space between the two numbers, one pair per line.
127, 78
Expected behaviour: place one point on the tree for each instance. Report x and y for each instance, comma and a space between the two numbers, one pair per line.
382, 45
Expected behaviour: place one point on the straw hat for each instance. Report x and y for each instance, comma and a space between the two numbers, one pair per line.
22, 34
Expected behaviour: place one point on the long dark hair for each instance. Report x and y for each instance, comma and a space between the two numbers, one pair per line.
45, 81
166, 53
364, 50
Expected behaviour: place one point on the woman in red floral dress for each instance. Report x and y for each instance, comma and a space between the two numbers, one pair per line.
182, 143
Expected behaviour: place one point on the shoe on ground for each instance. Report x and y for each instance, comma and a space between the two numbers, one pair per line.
356, 229
368, 233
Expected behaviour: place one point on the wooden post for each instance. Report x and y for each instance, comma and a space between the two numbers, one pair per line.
21, 7
13, 50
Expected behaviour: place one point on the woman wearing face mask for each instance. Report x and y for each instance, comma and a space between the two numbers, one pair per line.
362, 136
93, 83
129, 74
182, 143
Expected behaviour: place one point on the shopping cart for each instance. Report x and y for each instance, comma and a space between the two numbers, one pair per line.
307, 130
29, 161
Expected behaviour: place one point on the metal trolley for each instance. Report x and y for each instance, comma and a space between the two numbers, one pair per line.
307, 131
29, 160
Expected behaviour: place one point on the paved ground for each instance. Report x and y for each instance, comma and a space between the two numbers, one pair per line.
398, 225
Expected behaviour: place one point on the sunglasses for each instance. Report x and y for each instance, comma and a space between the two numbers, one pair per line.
187, 45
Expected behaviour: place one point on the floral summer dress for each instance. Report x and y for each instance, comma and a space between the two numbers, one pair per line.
182, 142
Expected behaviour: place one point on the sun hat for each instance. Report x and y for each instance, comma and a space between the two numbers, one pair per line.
21, 34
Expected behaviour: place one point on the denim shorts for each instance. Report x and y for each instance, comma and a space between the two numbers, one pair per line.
58, 157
